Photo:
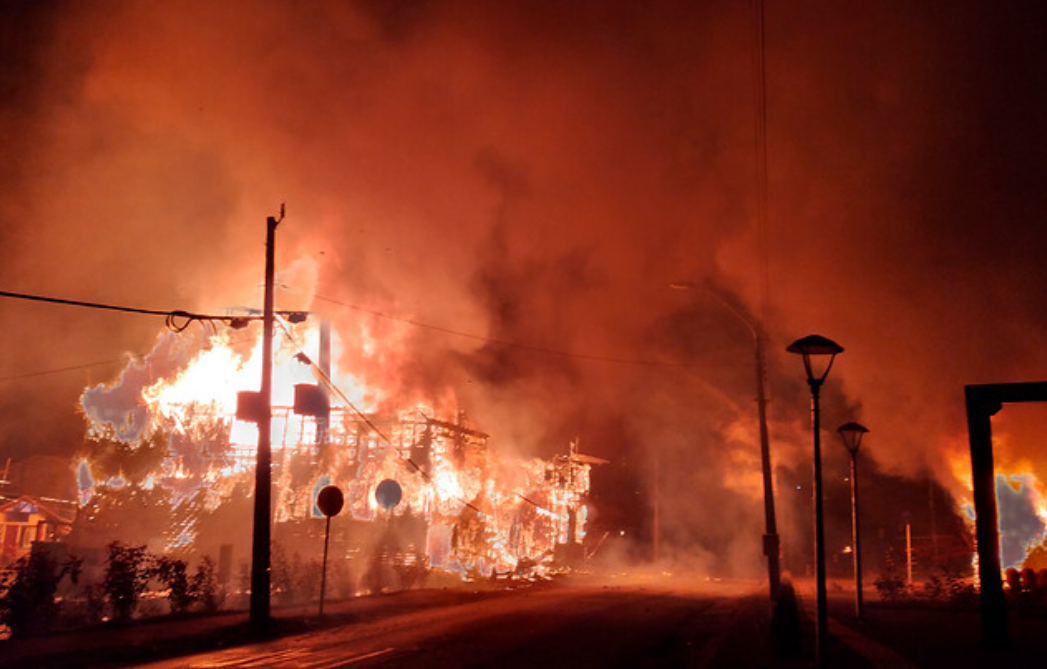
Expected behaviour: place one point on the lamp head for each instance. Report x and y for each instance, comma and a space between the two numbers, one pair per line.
814, 348
851, 434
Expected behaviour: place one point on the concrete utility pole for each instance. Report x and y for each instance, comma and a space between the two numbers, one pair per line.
771, 540
656, 529
260, 548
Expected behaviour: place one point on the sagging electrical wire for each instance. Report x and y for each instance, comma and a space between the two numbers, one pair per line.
508, 343
176, 320
115, 361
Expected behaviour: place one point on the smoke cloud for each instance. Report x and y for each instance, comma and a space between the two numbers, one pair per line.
528, 178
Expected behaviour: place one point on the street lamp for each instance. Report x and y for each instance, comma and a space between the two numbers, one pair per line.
771, 542
851, 434
815, 349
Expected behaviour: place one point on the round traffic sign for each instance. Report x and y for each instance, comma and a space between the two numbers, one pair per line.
330, 500
388, 493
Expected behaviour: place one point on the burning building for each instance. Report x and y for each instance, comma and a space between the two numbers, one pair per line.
24, 521
172, 441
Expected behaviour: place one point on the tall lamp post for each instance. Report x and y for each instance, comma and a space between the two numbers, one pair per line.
771, 542
851, 434
815, 349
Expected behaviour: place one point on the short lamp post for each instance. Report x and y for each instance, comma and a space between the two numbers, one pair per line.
851, 434
818, 355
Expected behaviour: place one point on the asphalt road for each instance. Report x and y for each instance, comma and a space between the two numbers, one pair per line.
637, 625
573, 622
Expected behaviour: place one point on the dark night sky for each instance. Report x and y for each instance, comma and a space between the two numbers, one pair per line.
538, 173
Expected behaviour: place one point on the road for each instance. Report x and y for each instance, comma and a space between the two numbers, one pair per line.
637, 624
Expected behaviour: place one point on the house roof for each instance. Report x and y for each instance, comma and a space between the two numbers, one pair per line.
27, 504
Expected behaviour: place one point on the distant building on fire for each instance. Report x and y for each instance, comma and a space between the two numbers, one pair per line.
25, 520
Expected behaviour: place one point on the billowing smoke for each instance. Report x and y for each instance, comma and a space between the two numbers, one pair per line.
525, 180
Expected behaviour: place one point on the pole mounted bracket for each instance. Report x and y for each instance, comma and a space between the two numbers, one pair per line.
273, 222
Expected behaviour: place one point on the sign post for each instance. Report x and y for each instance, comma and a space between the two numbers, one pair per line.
330, 501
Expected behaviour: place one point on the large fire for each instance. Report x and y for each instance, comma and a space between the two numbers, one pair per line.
1020, 498
468, 508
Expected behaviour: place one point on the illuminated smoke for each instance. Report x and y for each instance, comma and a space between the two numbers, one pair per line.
537, 173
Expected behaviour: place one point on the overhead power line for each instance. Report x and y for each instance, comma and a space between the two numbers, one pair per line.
59, 370
508, 343
176, 320
99, 363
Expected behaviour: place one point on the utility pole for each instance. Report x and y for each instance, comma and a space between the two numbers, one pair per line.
260, 548
656, 530
771, 540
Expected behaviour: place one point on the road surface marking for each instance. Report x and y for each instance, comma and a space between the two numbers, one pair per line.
345, 662
253, 660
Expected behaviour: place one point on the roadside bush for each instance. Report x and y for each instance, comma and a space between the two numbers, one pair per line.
126, 576
173, 574
204, 586
961, 590
243, 589
891, 586
93, 604
27, 605
35, 600
294, 580
891, 589
934, 589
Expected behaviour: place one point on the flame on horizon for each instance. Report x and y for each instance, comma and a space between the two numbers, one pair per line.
1020, 500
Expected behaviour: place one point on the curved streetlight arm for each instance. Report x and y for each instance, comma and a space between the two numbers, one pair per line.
743, 315
771, 540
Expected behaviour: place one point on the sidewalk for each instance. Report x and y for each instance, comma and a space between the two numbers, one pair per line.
919, 634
